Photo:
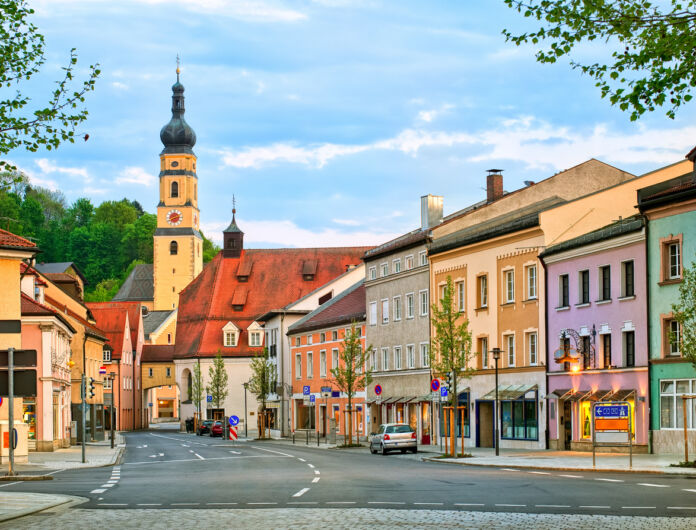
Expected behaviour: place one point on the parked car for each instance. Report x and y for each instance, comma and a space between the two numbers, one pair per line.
393, 436
204, 427
216, 429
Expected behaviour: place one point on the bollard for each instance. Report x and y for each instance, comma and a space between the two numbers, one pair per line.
307, 442
293, 437
317, 438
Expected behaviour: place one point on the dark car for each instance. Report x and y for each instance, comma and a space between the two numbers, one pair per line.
216, 429
204, 427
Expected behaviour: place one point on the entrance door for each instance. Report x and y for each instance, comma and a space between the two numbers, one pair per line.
485, 427
322, 414
567, 422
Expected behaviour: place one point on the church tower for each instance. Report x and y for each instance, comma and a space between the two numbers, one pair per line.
178, 245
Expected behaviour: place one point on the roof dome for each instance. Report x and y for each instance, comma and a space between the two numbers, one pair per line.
178, 136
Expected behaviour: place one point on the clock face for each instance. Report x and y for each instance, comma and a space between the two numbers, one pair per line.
195, 220
174, 217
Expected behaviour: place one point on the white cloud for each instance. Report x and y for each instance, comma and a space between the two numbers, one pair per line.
136, 175
430, 115
288, 234
534, 142
48, 166
119, 86
346, 222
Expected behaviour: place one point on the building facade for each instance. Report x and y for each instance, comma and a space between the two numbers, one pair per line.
597, 347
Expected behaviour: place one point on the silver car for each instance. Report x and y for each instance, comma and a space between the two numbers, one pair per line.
393, 436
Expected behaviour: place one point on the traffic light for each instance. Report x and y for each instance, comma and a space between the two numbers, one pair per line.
450, 380
91, 387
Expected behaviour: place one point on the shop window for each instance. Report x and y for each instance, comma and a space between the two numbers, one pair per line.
519, 419
672, 404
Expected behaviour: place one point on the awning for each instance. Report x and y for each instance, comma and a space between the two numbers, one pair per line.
559, 393
598, 395
390, 400
579, 395
621, 395
510, 392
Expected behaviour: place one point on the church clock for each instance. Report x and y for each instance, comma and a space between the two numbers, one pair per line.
174, 217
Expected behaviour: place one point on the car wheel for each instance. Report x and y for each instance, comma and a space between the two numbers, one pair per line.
414, 450
382, 450
403, 451
372, 449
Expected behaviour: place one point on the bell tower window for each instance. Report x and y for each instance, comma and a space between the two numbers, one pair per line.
175, 189
173, 248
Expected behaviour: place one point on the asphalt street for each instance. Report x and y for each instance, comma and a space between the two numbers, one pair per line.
170, 470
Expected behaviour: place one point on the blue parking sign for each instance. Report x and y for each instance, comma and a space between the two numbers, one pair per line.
443, 391
305, 390
209, 398
312, 398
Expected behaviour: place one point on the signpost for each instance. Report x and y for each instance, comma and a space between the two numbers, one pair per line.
305, 390
312, 398
435, 385
326, 391
443, 392
611, 427
234, 421
378, 389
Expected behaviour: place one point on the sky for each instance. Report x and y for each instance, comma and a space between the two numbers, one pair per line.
327, 119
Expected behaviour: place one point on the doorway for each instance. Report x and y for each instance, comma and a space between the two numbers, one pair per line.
485, 426
566, 421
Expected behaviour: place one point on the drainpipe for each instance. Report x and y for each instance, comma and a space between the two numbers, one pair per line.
648, 400
546, 348
279, 360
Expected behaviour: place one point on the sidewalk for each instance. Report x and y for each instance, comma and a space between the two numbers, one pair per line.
15, 504
97, 454
571, 461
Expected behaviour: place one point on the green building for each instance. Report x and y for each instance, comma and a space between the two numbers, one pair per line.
670, 207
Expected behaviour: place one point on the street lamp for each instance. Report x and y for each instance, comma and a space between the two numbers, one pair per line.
496, 358
246, 421
112, 376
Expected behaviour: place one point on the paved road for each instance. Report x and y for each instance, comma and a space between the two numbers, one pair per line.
173, 471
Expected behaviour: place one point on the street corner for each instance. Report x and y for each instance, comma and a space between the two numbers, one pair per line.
14, 505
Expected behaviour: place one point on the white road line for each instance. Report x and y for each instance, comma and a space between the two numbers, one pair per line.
111, 504
54, 472
571, 476
316, 472
428, 503
540, 472
301, 492
113, 481
653, 485
468, 504
692, 491
8, 484
185, 504
596, 507
209, 459
199, 456
511, 505
191, 451
172, 438
340, 502
507, 469
639, 507
315, 480
552, 505
235, 452
681, 507
255, 503
385, 502
149, 504
311, 465
98, 491
609, 479
221, 504
302, 502
301, 459
107, 485
271, 451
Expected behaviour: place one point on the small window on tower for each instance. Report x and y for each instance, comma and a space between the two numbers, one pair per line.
173, 248
175, 189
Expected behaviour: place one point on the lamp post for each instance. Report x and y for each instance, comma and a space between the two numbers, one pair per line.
246, 421
112, 376
496, 357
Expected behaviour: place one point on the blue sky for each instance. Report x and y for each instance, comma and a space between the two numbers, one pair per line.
328, 119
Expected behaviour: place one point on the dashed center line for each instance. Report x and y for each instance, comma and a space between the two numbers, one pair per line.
311, 465
185, 503
98, 491
639, 507
552, 505
653, 485
301, 459
571, 476
681, 507
259, 503
540, 472
149, 504
692, 491
596, 507
221, 504
428, 504
316, 472
468, 504
315, 480
511, 505
385, 502
507, 469
199, 456
301, 492
111, 504
609, 479
340, 502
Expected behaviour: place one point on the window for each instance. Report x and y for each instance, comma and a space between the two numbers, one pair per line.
309, 339
173, 248
297, 341
322, 363
230, 338
325, 298
397, 308
298, 366
423, 258
482, 291
584, 287
397, 357
373, 314
373, 360
169, 338
149, 372
425, 354
169, 372
424, 303
606, 350
125, 383
673, 261
510, 343
322, 337
483, 351
531, 282
461, 300
409, 262
605, 283
409, 305
673, 338
310, 365
334, 333
519, 419
174, 189
254, 338
629, 348
372, 273
566, 347
627, 279
509, 286
396, 265
586, 348
334, 358
107, 384
384, 269
672, 404
563, 294
532, 348
410, 356
385, 358
385, 311
106, 355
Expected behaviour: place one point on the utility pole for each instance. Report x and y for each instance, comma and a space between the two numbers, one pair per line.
112, 375
83, 391
10, 416
246, 422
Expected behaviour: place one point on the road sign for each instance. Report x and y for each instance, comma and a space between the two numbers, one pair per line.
443, 391
435, 384
378, 389
0, 400
209, 398
325, 391
612, 422
233, 432
102, 370
305, 390
312, 398
234, 421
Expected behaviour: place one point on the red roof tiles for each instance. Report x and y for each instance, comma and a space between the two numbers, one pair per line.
345, 308
31, 307
112, 318
156, 353
275, 280
10, 240
132, 308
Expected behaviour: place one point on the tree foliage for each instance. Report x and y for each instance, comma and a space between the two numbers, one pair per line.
263, 377
450, 350
351, 375
217, 375
196, 390
684, 312
652, 44
22, 54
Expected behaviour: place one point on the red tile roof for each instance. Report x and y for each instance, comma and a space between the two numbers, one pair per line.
113, 321
60, 277
31, 307
134, 310
10, 240
90, 328
275, 279
155, 353
345, 308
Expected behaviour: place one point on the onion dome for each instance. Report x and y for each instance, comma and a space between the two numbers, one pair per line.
178, 136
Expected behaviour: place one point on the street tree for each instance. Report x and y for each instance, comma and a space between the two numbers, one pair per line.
351, 375
217, 375
263, 381
651, 61
22, 55
684, 312
196, 390
450, 349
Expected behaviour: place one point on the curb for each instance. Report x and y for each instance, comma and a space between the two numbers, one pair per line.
547, 468
66, 500
25, 478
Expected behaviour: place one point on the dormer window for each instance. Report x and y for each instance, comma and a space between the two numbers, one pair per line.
255, 331
230, 335
106, 355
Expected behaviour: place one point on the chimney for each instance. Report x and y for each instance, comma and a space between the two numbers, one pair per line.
494, 185
431, 211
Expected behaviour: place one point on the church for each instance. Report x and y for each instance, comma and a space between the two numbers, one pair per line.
194, 312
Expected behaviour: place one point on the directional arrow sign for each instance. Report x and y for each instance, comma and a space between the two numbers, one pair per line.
234, 420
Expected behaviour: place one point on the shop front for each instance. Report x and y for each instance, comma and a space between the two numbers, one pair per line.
571, 398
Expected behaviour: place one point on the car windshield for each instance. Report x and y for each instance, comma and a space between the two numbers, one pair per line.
396, 429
